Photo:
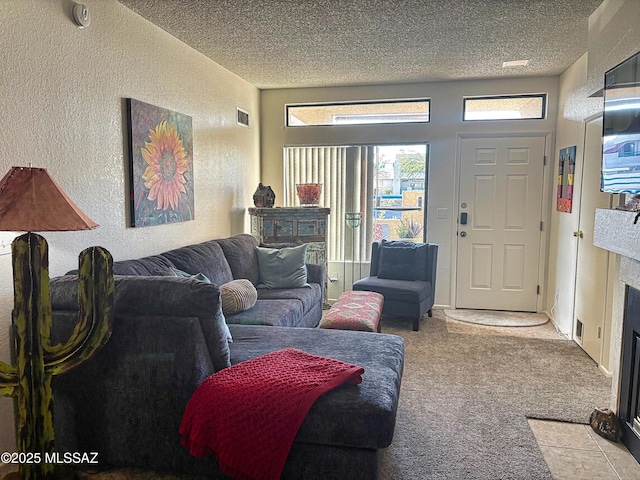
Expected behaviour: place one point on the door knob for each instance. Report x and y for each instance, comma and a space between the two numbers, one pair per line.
578, 234
463, 234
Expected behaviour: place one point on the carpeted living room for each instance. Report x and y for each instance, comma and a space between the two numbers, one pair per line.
468, 394
171, 131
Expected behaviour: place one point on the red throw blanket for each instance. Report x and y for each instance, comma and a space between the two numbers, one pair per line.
248, 414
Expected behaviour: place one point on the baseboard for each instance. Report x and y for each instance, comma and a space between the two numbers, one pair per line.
442, 307
607, 373
555, 325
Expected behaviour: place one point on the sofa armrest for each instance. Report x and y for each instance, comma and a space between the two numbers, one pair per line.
127, 401
316, 274
159, 296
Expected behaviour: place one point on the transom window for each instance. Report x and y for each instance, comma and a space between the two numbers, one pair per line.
361, 113
505, 107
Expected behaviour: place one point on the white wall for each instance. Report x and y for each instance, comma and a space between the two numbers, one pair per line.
613, 36
62, 104
574, 106
442, 133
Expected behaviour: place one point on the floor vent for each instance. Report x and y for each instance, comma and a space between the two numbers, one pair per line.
242, 117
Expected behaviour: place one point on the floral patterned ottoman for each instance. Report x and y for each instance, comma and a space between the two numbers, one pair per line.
355, 310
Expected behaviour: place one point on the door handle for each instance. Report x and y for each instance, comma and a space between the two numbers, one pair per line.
578, 234
463, 218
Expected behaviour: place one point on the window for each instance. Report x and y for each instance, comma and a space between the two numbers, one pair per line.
385, 183
505, 107
363, 113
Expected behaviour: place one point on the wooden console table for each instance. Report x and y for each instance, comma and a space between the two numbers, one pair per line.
291, 225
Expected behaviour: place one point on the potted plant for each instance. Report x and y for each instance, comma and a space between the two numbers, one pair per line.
408, 228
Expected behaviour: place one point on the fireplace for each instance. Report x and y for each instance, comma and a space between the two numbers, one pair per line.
616, 231
629, 406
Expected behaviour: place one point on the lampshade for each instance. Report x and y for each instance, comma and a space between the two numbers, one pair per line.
31, 201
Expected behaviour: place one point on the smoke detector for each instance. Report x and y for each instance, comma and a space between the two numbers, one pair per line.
80, 15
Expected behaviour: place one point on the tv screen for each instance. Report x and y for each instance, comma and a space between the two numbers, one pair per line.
621, 128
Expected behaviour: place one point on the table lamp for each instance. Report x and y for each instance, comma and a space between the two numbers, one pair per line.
30, 200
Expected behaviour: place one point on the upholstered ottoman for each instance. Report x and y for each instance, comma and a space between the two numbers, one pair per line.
355, 311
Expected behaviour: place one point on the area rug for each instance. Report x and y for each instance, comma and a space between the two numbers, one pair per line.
494, 318
465, 400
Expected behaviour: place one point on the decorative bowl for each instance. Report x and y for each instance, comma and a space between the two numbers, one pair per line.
309, 193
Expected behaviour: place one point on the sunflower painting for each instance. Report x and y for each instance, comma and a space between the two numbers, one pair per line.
161, 153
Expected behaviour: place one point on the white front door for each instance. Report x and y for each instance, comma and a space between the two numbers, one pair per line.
499, 240
592, 265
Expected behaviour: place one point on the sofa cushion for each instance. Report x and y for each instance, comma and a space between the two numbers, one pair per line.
278, 313
155, 265
397, 290
206, 258
282, 267
397, 263
202, 278
309, 296
241, 256
351, 415
237, 296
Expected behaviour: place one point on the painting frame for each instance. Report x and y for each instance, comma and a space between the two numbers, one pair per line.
566, 172
161, 179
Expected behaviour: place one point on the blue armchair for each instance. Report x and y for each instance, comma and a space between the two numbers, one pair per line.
405, 274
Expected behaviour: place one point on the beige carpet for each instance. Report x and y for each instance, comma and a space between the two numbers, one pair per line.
495, 318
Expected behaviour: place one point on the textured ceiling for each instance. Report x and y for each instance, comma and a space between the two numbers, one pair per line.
311, 43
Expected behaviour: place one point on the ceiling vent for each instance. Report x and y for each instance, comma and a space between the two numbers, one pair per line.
242, 117
515, 63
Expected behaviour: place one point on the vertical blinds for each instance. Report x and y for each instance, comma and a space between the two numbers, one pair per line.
347, 181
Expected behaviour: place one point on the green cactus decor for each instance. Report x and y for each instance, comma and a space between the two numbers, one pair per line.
37, 360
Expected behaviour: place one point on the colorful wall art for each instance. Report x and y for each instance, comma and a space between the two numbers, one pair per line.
566, 171
161, 165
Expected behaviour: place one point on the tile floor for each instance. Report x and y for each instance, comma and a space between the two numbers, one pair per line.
572, 451
577, 452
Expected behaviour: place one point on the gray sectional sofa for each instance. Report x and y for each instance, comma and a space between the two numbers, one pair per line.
127, 402
226, 259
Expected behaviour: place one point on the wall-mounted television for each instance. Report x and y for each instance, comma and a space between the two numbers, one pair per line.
621, 128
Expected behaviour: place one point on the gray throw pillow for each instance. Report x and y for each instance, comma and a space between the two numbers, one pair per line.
282, 267
397, 263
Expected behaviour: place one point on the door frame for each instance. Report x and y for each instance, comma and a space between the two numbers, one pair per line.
547, 189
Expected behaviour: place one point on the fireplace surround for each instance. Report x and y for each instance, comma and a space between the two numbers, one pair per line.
629, 391
616, 231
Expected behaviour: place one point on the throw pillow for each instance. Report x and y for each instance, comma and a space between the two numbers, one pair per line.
237, 296
203, 278
198, 276
282, 267
397, 263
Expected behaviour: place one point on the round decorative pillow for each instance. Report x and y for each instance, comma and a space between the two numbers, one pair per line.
238, 296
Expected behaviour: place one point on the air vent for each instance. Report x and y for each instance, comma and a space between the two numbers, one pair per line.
579, 330
515, 63
242, 117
